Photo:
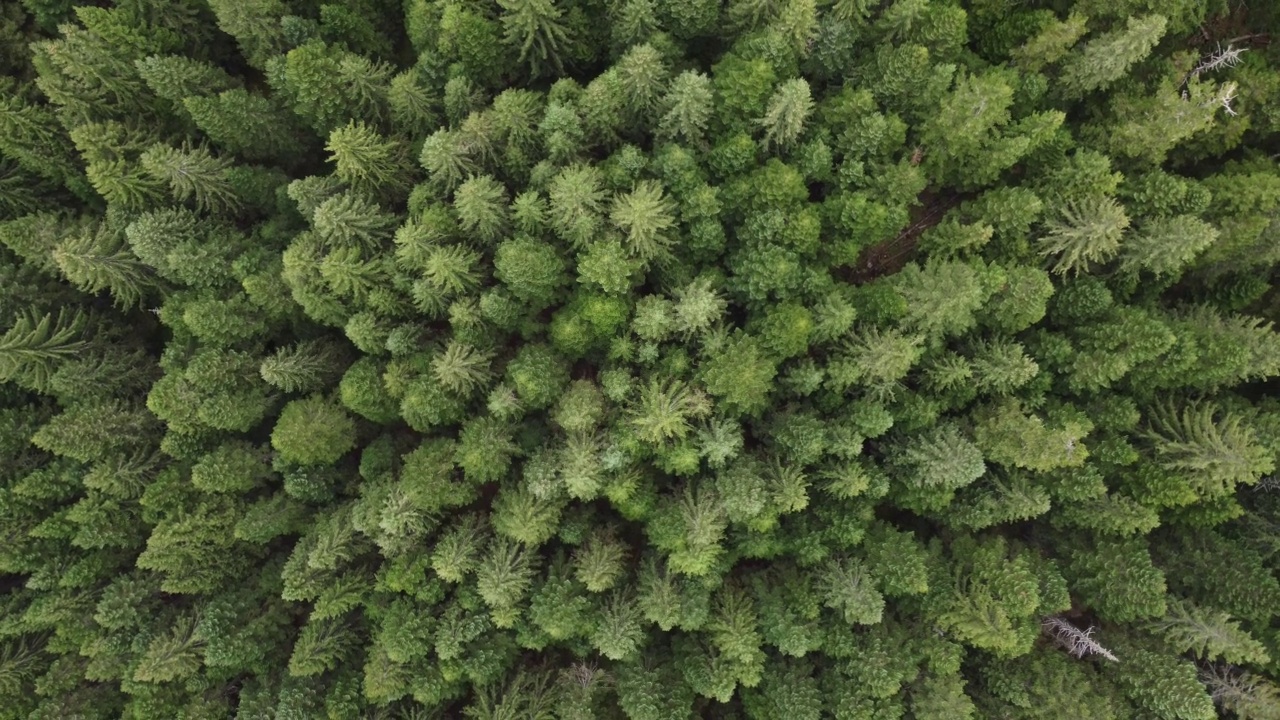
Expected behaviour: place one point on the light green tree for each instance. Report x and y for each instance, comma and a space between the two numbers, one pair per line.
369, 162
1103, 60
1088, 232
786, 114
646, 216
534, 27
687, 109
313, 431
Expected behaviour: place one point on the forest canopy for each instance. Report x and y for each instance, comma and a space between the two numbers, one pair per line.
639, 359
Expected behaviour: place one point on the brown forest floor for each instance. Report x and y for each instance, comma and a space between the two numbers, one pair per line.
890, 256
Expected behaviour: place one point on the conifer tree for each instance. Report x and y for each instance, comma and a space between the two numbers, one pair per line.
329, 86
642, 79
92, 432
313, 431
304, 367
1217, 453
687, 109
194, 174
481, 204
535, 28
1165, 246
31, 136
368, 162
788, 109
1208, 635
461, 368
663, 410
941, 297
740, 373
99, 41
245, 124
646, 217
98, 260
414, 108
173, 656
255, 25
1148, 127
1246, 695
934, 464
503, 577
576, 203
175, 77
1051, 43
1103, 60
34, 346
1086, 233
1121, 583
1164, 685
350, 220
531, 269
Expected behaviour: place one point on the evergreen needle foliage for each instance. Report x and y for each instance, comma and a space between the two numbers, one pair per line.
33, 346
639, 359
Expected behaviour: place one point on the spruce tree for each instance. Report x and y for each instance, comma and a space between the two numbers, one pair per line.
534, 27
34, 346
1103, 60
1086, 233
367, 161
196, 175
98, 260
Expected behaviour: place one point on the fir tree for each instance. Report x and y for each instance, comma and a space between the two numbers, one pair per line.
329, 86
98, 260
1242, 693
481, 204
646, 217
194, 175
31, 136
1165, 246
33, 347
255, 26
173, 656
95, 432
414, 107
349, 220
1164, 685
1051, 43
1208, 635
320, 645
785, 116
941, 298
1102, 61
1148, 127
663, 410
535, 28
642, 79
1217, 453
1086, 233
461, 368
313, 431
503, 578
367, 161
175, 78
449, 156
531, 269
305, 367
688, 106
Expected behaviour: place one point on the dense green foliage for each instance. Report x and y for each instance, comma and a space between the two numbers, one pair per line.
639, 359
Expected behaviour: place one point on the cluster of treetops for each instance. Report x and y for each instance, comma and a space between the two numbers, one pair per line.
639, 359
